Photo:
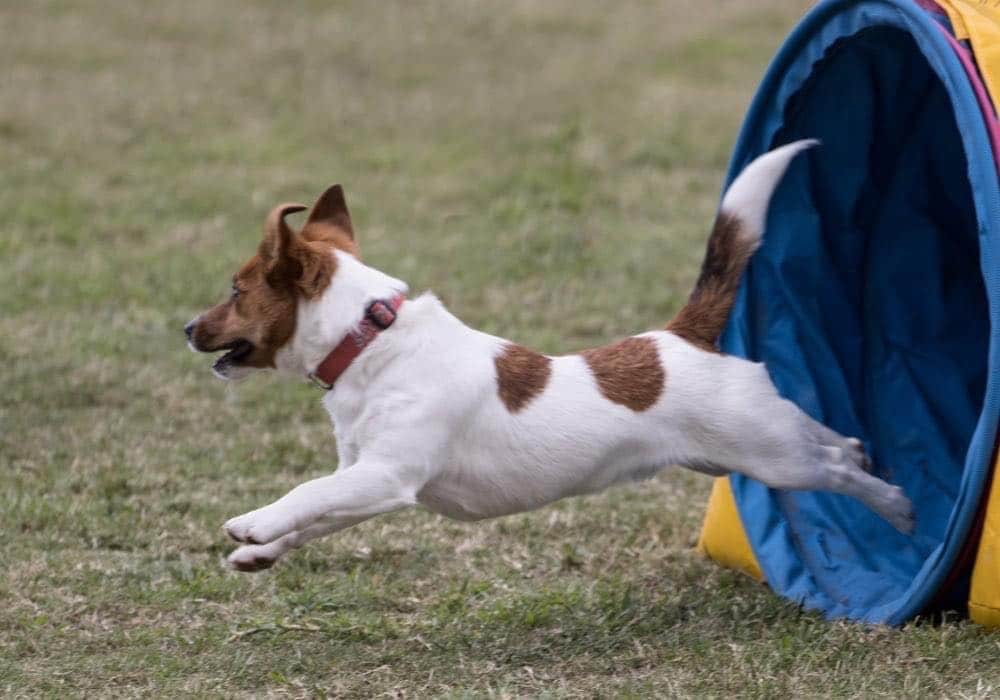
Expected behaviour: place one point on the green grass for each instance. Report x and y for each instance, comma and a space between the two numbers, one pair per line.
549, 169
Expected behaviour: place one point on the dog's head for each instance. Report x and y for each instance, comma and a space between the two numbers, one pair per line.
258, 318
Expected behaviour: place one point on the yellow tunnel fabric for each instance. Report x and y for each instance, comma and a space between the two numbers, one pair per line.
979, 22
984, 596
722, 535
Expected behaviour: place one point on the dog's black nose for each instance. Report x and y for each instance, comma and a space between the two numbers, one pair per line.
189, 330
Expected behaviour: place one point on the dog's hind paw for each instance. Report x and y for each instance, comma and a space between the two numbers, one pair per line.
898, 510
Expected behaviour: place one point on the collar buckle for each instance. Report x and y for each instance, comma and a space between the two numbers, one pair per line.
325, 386
381, 313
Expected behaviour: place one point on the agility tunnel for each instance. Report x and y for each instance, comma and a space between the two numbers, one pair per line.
875, 304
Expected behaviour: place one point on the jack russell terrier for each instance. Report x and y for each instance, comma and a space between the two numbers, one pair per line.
427, 410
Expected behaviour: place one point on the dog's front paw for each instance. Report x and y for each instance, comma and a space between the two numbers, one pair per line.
252, 558
257, 527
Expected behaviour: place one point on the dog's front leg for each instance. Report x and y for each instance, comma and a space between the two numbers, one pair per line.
347, 497
256, 557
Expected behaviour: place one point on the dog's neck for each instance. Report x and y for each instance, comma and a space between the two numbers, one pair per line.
323, 323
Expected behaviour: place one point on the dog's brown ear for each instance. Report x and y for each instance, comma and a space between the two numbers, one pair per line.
292, 261
278, 237
331, 209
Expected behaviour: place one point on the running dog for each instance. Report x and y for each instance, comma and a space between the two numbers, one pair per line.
429, 411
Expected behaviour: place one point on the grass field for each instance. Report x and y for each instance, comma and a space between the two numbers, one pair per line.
549, 169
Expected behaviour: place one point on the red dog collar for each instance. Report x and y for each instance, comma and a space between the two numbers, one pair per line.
379, 315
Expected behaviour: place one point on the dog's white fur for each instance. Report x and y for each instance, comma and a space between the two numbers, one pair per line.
418, 419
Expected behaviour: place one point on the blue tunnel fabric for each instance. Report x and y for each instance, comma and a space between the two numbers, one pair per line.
873, 299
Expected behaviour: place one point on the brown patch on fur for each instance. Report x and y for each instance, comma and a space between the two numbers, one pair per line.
628, 372
702, 319
288, 266
521, 375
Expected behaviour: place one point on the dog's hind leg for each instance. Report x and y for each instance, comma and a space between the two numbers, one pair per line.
831, 438
786, 449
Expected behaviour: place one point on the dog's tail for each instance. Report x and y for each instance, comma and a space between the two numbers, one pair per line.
737, 233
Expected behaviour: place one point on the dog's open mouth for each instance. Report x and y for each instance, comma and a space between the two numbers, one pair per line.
238, 350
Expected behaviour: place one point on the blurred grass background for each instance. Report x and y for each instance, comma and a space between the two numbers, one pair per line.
549, 169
